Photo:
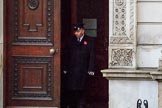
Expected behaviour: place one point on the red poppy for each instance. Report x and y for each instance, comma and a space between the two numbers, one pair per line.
85, 43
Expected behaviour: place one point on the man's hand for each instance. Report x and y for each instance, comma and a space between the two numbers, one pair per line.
91, 73
64, 71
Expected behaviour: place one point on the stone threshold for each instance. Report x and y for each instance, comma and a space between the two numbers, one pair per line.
134, 74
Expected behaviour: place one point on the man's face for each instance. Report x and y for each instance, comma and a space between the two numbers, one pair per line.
79, 33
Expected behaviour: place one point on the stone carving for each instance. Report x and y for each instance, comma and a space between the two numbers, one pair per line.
122, 41
119, 2
123, 26
132, 21
119, 18
121, 57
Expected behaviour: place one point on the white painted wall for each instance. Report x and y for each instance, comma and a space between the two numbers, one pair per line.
149, 33
148, 56
124, 94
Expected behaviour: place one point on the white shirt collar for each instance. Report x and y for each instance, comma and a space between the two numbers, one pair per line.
81, 38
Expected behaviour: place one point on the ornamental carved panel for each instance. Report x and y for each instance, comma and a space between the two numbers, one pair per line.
33, 22
32, 78
121, 57
124, 21
122, 35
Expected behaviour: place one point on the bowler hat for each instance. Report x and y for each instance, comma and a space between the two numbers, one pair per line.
78, 26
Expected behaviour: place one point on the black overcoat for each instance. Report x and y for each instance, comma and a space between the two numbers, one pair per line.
80, 57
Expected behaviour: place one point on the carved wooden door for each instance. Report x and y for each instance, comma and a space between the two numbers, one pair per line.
32, 49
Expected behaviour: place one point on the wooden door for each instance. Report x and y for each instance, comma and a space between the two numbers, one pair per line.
32, 49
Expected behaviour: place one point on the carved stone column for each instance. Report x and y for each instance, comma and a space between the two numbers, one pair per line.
122, 34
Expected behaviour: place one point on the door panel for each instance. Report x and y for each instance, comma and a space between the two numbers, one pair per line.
32, 71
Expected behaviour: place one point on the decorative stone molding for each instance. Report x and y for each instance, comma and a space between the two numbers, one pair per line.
122, 36
122, 57
144, 74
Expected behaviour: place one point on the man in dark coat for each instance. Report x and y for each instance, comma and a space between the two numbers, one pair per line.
79, 65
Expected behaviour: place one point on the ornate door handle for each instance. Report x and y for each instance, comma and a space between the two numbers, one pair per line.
52, 51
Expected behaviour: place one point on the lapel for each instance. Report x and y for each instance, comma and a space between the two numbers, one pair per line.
84, 39
82, 44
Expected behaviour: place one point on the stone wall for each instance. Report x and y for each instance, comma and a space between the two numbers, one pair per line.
135, 58
149, 33
132, 91
122, 34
